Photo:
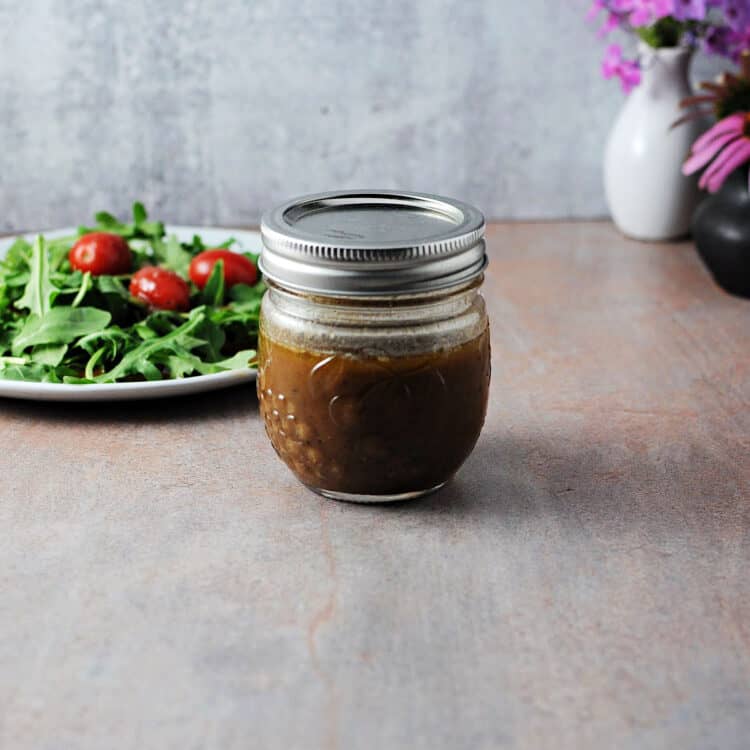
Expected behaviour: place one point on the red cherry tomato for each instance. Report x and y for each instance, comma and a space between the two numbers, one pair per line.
101, 253
161, 289
237, 268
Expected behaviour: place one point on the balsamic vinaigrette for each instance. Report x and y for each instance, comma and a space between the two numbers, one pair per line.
373, 426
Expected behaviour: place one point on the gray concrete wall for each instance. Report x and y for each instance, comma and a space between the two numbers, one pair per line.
212, 111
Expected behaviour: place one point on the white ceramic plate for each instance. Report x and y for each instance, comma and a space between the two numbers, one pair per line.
249, 241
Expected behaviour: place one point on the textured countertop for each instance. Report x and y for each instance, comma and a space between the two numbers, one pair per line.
583, 583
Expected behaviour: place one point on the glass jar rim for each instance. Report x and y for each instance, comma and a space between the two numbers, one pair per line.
385, 298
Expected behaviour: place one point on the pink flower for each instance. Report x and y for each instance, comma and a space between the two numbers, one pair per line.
726, 145
644, 12
610, 24
593, 12
626, 70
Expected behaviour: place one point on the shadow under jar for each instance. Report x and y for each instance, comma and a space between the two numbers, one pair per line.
374, 350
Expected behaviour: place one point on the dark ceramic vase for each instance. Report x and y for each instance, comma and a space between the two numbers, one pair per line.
721, 230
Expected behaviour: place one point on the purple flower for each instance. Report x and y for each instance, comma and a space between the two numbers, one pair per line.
736, 12
626, 70
739, 42
689, 10
718, 41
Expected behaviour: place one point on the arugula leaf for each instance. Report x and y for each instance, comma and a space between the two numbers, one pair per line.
18, 255
86, 285
49, 354
213, 339
176, 258
139, 228
213, 291
89, 371
111, 340
195, 246
245, 293
240, 361
7, 333
58, 249
153, 229
139, 213
15, 279
113, 285
144, 330
105, 219
61, 325
40, 291
136, 360
38, 372
185, 363
111, 295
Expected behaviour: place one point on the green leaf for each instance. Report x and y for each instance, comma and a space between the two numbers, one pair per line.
58, 250
181, 365
195, 246
61, 325
213, 337
138, 229
239, 361
151, 229
143, 228
112, 285
113, 340
105, 219
114, 297
18, 255
40, 291
19, 278
213, 291
93, 360
246, 293
49, 354
86, 285
176, 258
145, 331
148, 369
139, 213
137, 359
35, 372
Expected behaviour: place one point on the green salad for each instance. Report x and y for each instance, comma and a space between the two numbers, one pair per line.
126, 302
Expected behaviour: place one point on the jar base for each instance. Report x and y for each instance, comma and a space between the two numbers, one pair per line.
349, 497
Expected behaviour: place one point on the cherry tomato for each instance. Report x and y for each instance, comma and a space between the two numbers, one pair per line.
101, 253
237, 268
161, 289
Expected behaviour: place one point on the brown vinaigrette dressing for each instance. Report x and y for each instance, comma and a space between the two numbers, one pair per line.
373, 425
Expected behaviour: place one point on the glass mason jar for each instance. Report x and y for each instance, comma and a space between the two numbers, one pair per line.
374, 351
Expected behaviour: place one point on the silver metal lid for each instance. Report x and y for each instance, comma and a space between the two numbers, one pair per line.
372, 242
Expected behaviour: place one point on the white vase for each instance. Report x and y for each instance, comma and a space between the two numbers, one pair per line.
648, 196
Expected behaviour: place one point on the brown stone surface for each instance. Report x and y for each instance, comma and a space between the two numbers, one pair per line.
583, 583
